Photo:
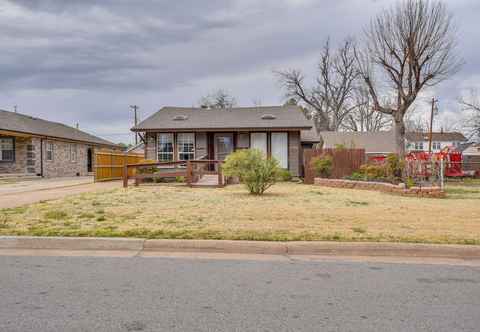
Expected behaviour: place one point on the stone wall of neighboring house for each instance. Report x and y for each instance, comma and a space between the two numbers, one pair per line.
62, 163
294, 149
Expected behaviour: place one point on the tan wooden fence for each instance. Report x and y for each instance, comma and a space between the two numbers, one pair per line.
345, 162
109, 165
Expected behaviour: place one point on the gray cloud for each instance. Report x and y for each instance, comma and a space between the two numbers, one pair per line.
86, 61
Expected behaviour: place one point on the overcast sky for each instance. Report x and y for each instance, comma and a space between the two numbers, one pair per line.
86, 61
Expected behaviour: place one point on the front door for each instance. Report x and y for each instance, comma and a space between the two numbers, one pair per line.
223, 144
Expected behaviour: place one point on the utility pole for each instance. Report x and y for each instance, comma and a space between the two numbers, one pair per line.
434, 107
135, 108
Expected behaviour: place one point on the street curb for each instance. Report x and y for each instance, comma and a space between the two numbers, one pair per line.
321, 248
214, 246
70, 243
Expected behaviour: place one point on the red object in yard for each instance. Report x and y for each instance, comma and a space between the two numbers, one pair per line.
453, 163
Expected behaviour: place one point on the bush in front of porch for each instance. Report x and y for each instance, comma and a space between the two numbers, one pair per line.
253, 169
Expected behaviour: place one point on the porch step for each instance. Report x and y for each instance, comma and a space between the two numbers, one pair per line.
208, 180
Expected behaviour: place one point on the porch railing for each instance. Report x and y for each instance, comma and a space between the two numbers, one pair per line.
193, 171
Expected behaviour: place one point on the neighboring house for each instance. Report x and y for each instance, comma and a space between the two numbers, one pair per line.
34, 146
374, 143
175, 134
416, 141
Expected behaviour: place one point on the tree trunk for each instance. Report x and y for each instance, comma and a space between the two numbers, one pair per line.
399, 128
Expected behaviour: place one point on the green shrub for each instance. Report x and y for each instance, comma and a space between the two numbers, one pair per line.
253, 169
322, 165
357, 176
373, 172
394, 167
284, 175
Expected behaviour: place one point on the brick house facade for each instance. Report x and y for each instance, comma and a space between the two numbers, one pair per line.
47, 149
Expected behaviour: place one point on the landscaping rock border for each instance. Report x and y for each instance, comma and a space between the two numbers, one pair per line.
429, 192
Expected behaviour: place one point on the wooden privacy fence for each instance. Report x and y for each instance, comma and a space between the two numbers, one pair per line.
108, 165
345, 162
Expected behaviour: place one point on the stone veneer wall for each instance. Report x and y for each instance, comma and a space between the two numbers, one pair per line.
431, 192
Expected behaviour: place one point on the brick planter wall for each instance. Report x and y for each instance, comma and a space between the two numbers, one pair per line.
431, 192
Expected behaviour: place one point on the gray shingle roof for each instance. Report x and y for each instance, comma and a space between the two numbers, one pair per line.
16, 122
179, 118
377, 142
439, 137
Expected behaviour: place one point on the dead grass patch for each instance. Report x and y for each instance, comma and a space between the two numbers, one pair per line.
288, 212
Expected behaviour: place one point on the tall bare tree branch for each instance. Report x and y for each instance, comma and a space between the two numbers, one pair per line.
411, 46
330, 100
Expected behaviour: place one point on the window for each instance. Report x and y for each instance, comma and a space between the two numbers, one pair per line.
165, 147
436, 146
186, 146
280, 148
49, 150
419, 146
243, 141
7, 149
73, 153
259, 141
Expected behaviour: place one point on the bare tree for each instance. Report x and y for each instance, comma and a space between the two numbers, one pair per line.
218, 99
329, 101
411, 46
363, 117
415, 122
471, 105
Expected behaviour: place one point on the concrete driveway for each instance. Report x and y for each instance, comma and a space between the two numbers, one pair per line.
28, 192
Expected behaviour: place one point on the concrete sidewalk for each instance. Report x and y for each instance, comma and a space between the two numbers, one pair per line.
22, 194
143, 247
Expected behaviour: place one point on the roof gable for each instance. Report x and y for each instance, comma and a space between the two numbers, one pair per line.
181, 118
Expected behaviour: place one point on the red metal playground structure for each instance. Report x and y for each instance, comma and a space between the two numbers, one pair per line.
425, 164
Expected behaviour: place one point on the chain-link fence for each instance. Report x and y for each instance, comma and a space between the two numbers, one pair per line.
438, 172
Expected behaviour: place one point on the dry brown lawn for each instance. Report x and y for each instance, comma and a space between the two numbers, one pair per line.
289, 211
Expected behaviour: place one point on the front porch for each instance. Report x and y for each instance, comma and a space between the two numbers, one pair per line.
18, 155
195, 173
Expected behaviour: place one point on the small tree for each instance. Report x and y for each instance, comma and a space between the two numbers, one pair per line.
253, 169
218, 99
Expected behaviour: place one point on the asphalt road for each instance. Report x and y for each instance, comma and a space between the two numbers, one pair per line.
178, 294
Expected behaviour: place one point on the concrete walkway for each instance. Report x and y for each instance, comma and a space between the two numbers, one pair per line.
28, 192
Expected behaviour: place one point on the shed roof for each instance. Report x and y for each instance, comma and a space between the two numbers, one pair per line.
16, 122
182, 118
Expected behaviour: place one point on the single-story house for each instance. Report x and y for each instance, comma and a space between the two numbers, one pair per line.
34, 146
418, 141
374, 143
176, 133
